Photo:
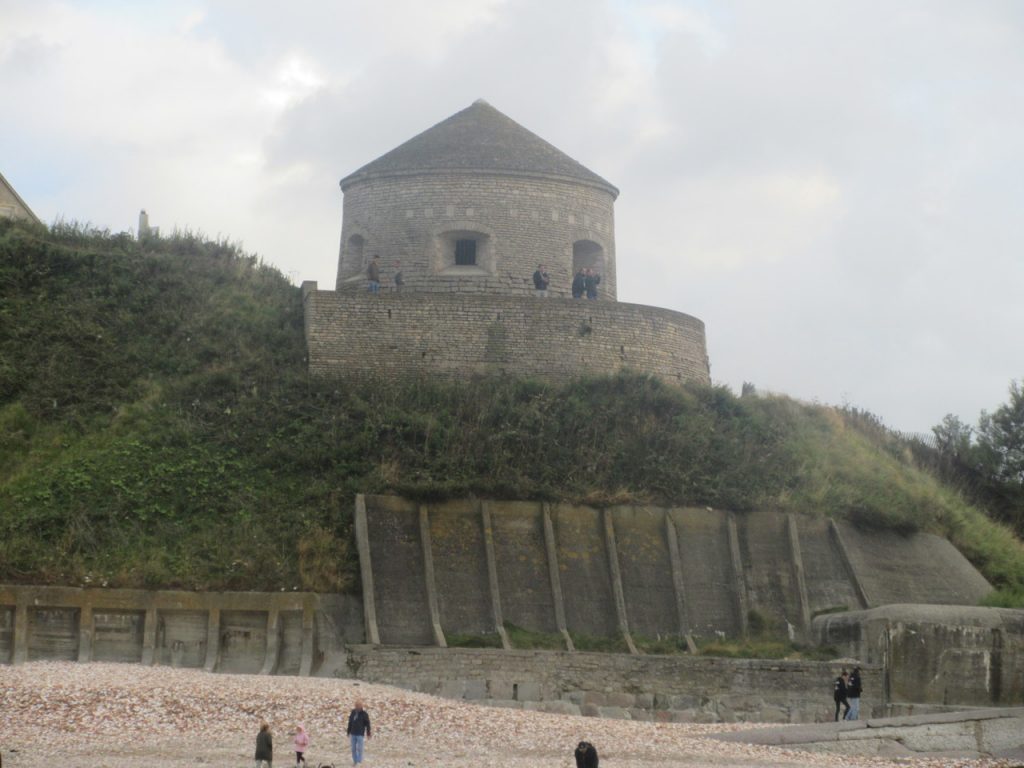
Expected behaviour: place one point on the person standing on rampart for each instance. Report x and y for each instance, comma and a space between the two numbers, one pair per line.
579, 284
358, 731
853, 690
590, 282
399, 278
373, 275
540, 282
840, 693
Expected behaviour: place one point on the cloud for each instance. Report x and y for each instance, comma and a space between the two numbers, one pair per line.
834, 188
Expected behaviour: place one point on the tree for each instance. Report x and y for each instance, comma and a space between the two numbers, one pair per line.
1001, 440
953, 439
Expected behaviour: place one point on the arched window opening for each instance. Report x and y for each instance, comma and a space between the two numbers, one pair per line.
587, 253
354, 252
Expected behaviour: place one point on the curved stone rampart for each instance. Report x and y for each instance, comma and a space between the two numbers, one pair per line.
413, 334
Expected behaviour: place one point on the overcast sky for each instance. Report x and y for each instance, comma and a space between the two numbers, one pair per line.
836, 188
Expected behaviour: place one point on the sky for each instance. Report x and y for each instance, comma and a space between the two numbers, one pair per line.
835, 187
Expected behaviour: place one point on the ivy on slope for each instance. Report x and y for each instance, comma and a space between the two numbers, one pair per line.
157, 428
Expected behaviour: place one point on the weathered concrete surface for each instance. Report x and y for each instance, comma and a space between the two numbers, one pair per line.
977, 733
647, 687
565, 568
521, 558
220, 631
460, 569
936, 654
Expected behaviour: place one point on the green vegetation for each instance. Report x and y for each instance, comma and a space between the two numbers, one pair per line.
525, 639
157, 428
491, 640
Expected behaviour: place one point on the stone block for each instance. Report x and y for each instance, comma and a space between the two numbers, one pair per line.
504, 703
559, 707
640, 714
773, 715
619, 699
594, 698
475, 690
662, 701
614, 713
451, 689
686, 701
499, 689
590, 710
645, 700
529, 691
576, 697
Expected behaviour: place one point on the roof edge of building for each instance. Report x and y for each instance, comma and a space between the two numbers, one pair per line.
360, 176
31, 213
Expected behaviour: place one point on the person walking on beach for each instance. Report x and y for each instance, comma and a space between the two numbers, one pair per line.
301, 745
264, 747
358, 731
840, 693
586, 755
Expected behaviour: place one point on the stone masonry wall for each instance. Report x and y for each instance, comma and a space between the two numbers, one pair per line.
663, 688
401, 335
524, 221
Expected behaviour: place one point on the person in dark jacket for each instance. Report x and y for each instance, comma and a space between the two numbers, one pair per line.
358, 730
264, 747
586, 755
540, 282
579, 284
853, 689
839, 694
590, 282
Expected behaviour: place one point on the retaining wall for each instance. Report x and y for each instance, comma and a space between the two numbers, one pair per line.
630, 573
663, 688
252, 632
938, 655
419, 334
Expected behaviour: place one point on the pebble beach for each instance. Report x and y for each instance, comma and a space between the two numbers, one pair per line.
119, 715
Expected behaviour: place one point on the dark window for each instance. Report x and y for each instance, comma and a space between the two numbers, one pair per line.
465, 252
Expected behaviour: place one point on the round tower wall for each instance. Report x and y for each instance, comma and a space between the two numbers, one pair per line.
513, 222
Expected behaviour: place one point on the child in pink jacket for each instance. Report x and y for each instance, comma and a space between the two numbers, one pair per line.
301, 744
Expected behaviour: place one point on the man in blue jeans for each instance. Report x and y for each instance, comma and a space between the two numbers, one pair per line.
853, 691
358, 730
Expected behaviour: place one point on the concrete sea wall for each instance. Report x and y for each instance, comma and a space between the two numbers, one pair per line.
630, 573
252, 632
935, 654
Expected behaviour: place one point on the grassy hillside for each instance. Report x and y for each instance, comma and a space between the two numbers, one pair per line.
157, 428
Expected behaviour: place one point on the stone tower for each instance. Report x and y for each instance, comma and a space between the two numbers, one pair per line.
472, 205
469, 208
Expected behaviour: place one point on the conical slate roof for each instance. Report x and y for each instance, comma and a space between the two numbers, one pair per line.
479, 138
